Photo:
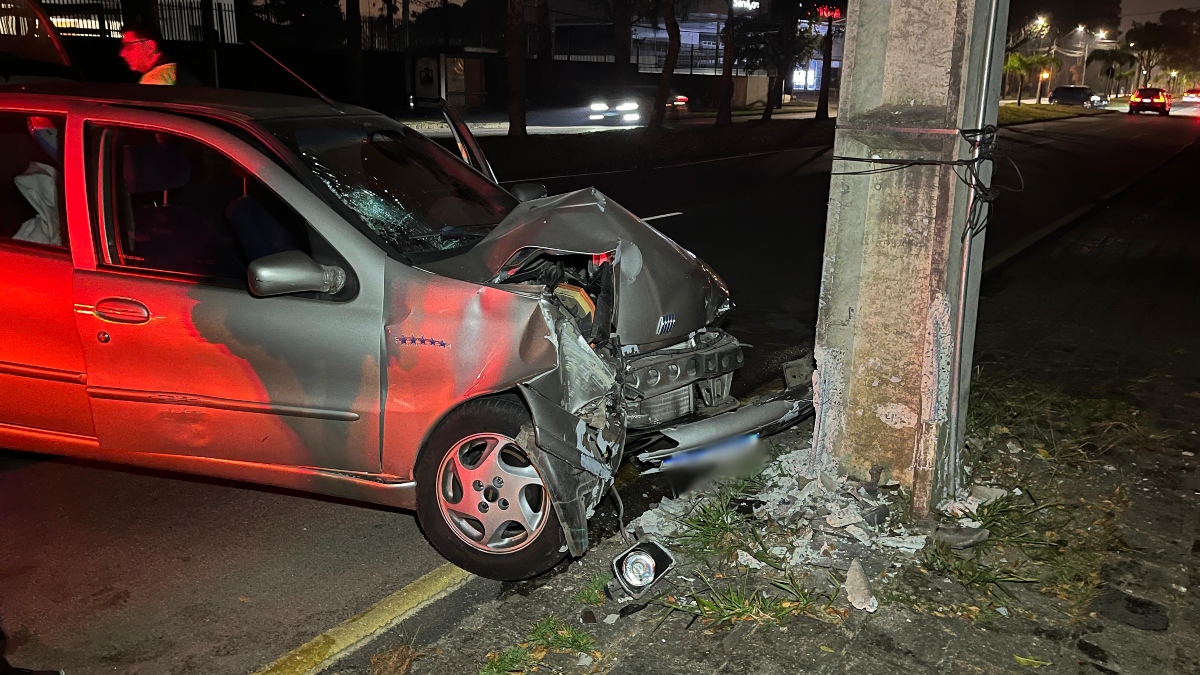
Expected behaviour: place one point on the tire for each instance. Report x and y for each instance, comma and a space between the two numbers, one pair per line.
478, 437
1165, 113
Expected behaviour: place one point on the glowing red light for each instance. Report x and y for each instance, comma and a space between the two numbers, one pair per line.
599, 259
826, 12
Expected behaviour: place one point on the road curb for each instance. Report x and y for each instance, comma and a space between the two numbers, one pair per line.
348, 636
1020, 247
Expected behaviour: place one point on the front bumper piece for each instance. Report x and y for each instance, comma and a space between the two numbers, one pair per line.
760, 419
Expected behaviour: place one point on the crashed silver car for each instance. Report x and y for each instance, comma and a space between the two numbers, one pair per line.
276, 290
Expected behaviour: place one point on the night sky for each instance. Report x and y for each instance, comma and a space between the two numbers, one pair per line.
1148, 10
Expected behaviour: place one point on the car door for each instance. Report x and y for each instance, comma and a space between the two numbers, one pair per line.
43, 400
181, 358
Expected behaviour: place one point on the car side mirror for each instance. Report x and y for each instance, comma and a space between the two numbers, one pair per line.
292, 272
526, 192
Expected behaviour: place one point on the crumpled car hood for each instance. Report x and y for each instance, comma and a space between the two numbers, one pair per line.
664, 291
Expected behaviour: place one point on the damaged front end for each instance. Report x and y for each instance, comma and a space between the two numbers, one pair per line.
643, 364
578, 433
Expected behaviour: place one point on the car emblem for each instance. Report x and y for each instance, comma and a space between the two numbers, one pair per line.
666, 323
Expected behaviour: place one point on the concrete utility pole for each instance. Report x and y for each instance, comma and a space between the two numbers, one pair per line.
896, 323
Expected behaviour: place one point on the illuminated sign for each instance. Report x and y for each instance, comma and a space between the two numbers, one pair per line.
822, 11
748, 5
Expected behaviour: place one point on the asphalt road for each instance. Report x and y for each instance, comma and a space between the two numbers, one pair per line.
104, 570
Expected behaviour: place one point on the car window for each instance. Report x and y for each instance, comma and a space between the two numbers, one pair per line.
31, 204
170, 204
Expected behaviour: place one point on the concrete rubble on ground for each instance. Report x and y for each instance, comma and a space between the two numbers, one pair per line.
828, 521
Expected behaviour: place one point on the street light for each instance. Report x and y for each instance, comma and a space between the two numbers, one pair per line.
1080, 29
1044, 77
1101, 34
1041, 21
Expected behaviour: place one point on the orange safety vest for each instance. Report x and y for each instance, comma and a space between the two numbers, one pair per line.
164, 74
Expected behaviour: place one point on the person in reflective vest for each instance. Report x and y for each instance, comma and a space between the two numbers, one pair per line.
141, 52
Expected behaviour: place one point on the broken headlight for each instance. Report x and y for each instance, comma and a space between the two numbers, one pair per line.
640, 566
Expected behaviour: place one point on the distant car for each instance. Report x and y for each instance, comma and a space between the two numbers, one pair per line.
1151, 99
632, 105
1191, 95
1073, 94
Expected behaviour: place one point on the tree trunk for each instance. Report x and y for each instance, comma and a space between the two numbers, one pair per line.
514, 38
788, 48
354, 48
826, 72
1020, 88
772, 84
664, 80
209, 31
623, 29
725, 100
545, 50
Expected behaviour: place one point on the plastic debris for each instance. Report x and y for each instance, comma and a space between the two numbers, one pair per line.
961, 537
858, 588
588, 616
985, 494
585, 660
611, 619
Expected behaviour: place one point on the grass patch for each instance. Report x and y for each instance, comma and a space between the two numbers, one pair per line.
593, 592
1059, 531
1032, 112
555, 635
511, 660
741, 600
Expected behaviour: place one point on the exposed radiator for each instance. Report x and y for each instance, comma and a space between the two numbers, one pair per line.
662, 408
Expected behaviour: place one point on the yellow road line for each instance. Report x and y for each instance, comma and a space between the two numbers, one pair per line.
345, 638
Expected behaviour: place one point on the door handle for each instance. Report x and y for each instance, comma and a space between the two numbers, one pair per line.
122, 310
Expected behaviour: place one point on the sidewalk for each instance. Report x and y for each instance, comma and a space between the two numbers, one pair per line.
1088, 403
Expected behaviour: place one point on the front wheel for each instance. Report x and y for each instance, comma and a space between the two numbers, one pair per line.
481, 502
1165, 113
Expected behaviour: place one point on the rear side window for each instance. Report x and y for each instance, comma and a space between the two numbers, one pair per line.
32, 210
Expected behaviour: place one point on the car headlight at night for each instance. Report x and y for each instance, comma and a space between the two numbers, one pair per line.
627, 106
599, 106
631, 117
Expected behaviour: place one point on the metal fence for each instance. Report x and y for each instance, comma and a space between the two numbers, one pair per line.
651, 56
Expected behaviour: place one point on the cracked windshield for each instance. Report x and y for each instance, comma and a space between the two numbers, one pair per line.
409, 192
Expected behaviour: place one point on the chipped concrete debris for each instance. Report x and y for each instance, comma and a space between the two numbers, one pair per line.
829, 520
858, 588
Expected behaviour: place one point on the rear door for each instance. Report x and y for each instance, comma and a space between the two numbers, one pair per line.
182, 359
43, 401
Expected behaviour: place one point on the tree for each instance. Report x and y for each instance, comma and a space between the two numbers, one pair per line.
829, 12
725, 98
666, 9
1059, 18
1017, 65
1041, 63
514, 39
792, 41
545, 47
1113, 61
1149, 43
622, 16
354, 33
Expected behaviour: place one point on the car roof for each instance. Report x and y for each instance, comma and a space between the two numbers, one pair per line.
251, 104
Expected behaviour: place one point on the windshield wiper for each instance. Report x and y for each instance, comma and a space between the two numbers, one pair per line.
454, 232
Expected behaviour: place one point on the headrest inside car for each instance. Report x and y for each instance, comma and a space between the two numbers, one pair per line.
155, 167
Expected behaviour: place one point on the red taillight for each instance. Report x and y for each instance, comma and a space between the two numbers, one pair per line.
599, 259
681, 99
